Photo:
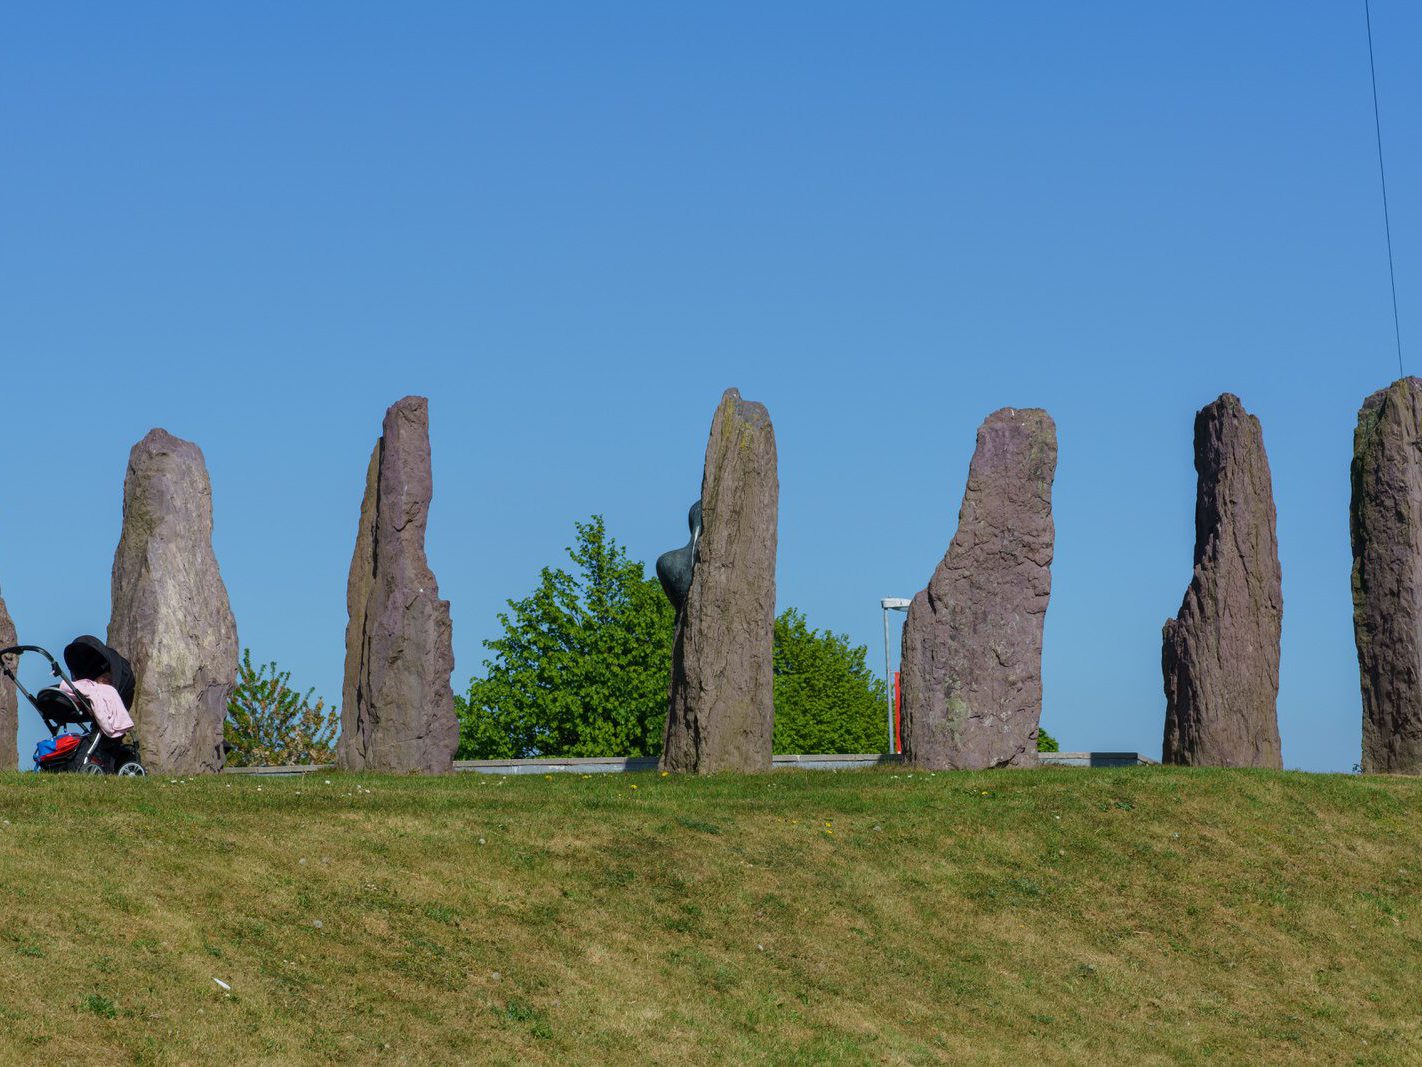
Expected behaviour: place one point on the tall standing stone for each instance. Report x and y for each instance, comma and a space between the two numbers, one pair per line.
170, 616
1221, 652
721, 714
397, 713
9, 708
1386, 520
972, 653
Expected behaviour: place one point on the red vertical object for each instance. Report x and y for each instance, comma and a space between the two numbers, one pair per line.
898, 713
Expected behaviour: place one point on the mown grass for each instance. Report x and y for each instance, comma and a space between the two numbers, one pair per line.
1141, 915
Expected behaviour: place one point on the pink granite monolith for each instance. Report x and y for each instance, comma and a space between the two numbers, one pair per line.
397, 713
1386, 520
1220, 654
9, 710
721, 714
169, 614
972, 646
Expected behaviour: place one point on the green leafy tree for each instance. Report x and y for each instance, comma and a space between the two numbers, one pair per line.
271, 724
1046, 742
827, 699
582, 666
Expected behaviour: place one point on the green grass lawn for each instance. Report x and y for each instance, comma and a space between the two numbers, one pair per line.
1063, 915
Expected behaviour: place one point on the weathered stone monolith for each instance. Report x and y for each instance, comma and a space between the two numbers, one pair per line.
170, 616
1221, 652
9, 717
1386, 520
721, 713
972, 652
398, 709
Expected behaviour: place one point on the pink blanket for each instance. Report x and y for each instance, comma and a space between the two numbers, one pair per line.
110, 714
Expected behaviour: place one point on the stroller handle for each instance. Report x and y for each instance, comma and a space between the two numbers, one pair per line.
57, 670
18, 649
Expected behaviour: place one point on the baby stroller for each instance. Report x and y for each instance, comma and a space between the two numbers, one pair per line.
85, 750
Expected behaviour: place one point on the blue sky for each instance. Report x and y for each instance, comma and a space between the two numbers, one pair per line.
572, 225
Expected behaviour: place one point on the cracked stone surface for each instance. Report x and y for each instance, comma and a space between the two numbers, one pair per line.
170, 614
972, 645
721, 714
9, 708
1220, 654
1386, 521
397, 712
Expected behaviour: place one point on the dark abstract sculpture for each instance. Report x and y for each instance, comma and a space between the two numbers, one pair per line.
674, 568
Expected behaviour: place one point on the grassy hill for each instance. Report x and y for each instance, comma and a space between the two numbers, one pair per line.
1150, 915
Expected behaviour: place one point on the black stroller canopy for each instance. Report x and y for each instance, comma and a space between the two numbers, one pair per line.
88, 657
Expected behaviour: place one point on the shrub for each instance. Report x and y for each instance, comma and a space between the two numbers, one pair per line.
271, 724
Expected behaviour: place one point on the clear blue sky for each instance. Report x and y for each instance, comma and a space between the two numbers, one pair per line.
572, 225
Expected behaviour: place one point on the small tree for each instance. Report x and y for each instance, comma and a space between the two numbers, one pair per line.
582, 665
271, 724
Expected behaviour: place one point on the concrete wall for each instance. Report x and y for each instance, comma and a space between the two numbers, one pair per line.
619, 764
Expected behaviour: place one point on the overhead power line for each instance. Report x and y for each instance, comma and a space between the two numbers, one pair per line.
1382, 177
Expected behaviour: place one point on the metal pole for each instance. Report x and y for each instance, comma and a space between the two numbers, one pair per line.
889, 681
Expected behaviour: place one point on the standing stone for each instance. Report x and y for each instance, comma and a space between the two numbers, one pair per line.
721, 714
1221, 653
170, 615
9, 708
398, 709
1386, 520
972, 653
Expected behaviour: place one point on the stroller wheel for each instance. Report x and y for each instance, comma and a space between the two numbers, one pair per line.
91, 768
131, 769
